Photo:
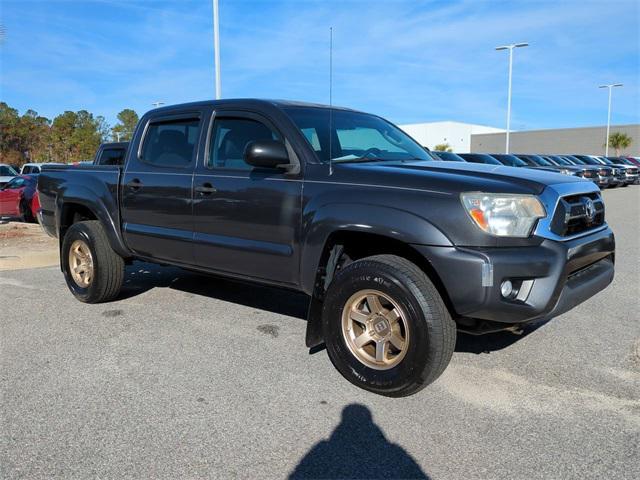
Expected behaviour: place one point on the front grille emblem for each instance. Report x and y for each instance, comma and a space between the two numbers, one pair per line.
589, 209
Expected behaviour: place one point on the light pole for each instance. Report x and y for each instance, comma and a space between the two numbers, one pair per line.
216, 48
510, 48
610, 87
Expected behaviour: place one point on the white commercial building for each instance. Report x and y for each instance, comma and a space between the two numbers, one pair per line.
456, 134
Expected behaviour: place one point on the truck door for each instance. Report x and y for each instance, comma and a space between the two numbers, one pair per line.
246, 220
156, 188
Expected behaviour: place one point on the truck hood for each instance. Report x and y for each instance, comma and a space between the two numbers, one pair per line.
456, 176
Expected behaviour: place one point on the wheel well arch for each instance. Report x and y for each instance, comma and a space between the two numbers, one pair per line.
357, 245
73, 213
346, 246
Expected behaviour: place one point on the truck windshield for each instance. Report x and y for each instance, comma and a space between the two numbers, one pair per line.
575, 160
560, 160
540, 161
589, 160
480, 158
7, 171
448, 156
509, 160
354, 136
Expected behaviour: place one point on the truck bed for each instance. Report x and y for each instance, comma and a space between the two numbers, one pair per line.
82, 184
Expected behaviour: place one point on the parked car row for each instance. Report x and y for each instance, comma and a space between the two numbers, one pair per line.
606, 172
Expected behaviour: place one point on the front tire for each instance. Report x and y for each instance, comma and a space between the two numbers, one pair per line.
93, 271
386, 327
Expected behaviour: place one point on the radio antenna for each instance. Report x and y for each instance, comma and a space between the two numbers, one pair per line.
330, 99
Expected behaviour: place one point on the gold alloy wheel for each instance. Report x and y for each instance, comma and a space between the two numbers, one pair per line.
375, 329
81, 263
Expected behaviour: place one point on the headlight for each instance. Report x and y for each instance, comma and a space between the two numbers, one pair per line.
503, 215
564, 171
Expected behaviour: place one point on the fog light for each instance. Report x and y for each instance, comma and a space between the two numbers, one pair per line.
506, 289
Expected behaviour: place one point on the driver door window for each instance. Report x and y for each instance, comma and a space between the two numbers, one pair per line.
230, 137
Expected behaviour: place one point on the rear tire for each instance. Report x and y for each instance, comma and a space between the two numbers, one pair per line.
93, 270
420, 342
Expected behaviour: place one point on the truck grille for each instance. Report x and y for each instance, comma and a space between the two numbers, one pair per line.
578, 213
619, 173
632, 171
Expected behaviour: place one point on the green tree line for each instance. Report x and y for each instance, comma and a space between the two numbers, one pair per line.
69, 137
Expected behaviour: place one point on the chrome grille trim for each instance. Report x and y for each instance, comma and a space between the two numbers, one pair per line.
550, 198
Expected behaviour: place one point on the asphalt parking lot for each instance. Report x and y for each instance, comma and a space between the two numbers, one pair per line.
188, 376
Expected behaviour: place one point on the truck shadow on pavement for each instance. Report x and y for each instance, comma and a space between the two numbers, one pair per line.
357, 449
141, 277
492, 342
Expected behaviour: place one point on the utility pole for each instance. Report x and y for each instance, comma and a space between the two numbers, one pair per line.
610, 87
216, 48
510, 48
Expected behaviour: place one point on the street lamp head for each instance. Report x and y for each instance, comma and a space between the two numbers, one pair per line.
611, 85
512, 46
617, 84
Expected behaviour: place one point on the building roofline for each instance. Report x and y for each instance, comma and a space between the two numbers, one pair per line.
628, 125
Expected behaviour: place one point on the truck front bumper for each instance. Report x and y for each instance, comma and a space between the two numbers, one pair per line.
548, 279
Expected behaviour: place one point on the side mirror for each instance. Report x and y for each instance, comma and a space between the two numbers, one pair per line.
266, 154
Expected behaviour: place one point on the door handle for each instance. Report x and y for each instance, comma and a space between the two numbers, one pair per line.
135, 184
206, 189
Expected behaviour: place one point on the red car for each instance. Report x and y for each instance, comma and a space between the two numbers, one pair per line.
19, 198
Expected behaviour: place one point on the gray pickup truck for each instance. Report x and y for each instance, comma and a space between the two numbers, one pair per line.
395, 251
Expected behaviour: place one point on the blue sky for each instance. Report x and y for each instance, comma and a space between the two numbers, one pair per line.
410, 61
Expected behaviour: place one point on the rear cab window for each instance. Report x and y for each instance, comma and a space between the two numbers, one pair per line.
111, 156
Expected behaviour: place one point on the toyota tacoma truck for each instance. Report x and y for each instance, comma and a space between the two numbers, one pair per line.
396, 251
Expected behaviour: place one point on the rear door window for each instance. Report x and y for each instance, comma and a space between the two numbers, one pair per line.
171, 143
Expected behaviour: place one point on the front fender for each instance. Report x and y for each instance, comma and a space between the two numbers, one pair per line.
393, 223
